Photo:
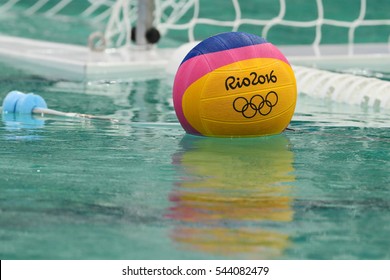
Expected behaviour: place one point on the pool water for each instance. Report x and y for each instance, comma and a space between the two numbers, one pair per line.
143, 189
140, 188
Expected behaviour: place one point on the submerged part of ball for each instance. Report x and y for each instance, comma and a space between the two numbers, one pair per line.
234, 84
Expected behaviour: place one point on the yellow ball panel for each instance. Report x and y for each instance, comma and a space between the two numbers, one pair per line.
246, 129
251, 106
246, 98
191, 103
247, 75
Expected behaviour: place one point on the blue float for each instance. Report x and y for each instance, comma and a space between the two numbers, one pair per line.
21, 103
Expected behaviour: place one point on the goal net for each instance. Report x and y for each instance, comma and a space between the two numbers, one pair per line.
295, 22
351, 35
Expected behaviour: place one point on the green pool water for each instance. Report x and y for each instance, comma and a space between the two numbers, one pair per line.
143, 189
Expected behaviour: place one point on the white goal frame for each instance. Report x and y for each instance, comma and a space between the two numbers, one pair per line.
119, 57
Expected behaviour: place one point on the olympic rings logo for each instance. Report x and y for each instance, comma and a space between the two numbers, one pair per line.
257, 104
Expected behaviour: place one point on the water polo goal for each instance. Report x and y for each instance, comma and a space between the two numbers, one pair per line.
339, 49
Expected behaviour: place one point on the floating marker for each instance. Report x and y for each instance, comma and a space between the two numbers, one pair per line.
17, 102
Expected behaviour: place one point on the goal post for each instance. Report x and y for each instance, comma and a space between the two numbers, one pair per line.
325, 34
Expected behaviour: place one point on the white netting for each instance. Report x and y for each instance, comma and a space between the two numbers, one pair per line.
321, 22
309, 22
305, 22
98, 9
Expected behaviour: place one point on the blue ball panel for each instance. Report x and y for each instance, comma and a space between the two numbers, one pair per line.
224, 41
